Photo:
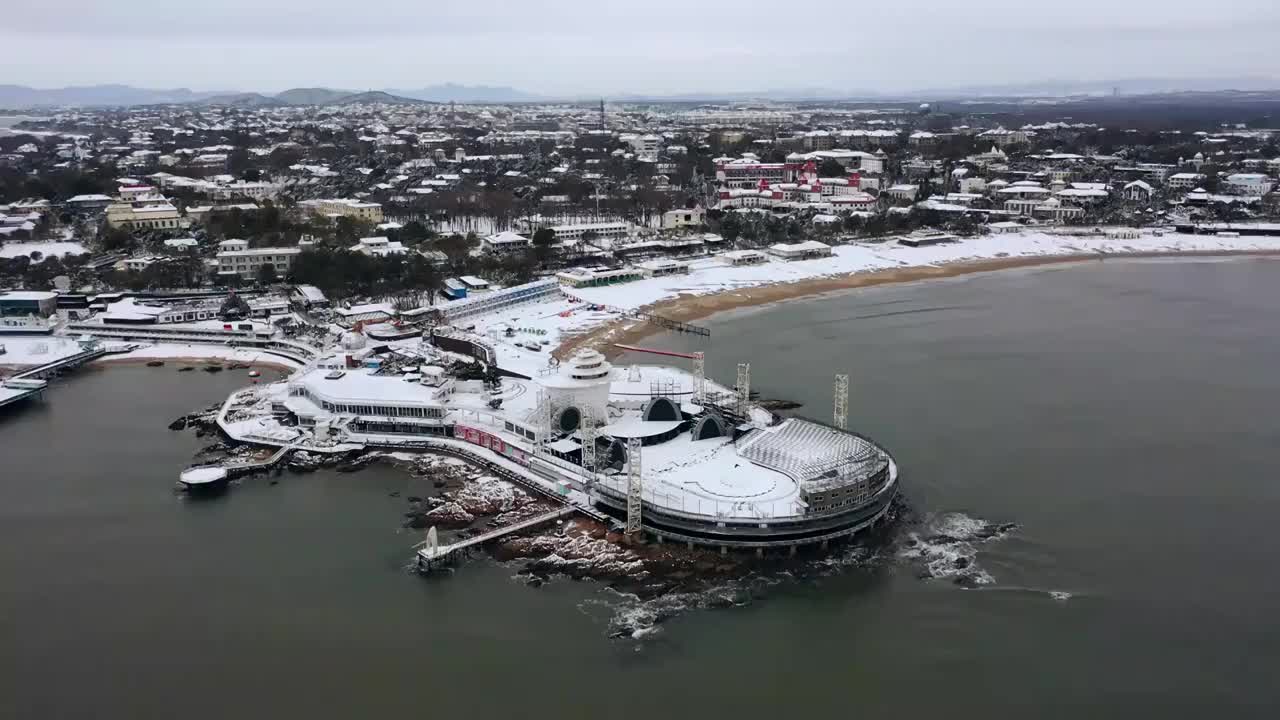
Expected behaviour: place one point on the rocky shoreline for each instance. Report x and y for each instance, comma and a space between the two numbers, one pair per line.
652, 581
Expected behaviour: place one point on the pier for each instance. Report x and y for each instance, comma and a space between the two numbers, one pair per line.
32, 382
651, 318
669, 324
434, 555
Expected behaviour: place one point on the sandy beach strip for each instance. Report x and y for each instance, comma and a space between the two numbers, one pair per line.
199, 356
693, 307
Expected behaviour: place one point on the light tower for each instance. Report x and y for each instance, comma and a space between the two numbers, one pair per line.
588, 427
744, 386
543, 422
699, 377
841, 414
634, 488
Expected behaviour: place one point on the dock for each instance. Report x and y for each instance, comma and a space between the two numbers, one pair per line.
240, 469
32, 382
433, 555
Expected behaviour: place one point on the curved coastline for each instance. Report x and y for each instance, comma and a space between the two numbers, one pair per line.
693, 307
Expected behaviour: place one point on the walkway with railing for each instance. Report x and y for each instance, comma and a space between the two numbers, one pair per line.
433, 556
32, 382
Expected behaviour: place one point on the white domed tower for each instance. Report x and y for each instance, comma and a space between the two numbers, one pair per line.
580, 387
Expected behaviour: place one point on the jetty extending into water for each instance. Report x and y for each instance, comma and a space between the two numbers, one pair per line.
433, 555
32, 382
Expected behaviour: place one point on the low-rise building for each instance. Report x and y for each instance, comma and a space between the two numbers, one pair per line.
1138, 191
683, 218
1184, 182
379, 247
572, 234
505, 242
343, 207
21, 303
246, 263
1249, 184
744, 257
145, 215
800, 251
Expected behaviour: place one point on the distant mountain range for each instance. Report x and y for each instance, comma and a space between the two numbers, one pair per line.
18, 96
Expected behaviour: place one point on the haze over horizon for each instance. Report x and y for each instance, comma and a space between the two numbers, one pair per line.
580, 48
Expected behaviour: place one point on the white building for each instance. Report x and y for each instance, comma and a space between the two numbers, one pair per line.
800, 251
1249, 184
379, 247
254, 190
573, 234
1184, 182
646, 147
246, 263
1138, 191
682, 218
1057, 211
339, 207
504, 242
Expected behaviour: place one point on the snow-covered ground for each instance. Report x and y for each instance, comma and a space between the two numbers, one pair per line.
46, 249
713, 275
164, 351
30, 350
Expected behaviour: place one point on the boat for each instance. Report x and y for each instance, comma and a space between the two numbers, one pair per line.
29, 325
254, 373
205, 478
155, 363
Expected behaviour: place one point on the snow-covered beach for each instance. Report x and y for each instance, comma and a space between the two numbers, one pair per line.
712, 286
199, 355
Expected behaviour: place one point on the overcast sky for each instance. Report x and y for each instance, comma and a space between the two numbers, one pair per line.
650, 46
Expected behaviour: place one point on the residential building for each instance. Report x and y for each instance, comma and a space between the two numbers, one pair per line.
378, 246
1184, 182
246, 263
342, 207
683, 218
1003, 137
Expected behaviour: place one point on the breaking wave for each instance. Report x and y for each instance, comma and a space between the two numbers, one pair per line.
945, 546
941, 546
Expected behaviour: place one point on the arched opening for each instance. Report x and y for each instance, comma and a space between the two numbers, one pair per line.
570, 419
616, 455
708, 427
661, 409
